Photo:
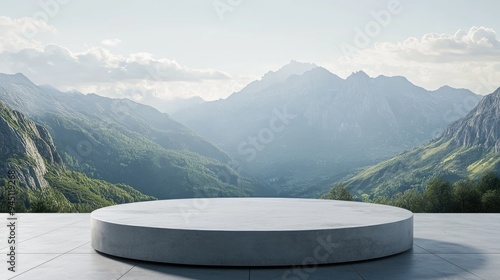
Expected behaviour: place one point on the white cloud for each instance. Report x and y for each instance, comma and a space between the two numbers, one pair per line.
479, 43
111, 42
59, 66
17, 34
98, 69
465, 59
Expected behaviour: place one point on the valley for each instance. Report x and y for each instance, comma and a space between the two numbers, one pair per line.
294, 133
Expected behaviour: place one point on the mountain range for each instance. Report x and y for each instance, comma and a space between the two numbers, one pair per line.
468, 148
120, 141
292, 133
301, 127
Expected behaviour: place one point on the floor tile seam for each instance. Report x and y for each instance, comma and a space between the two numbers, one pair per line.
37, 266
69, 251
133, 266
42, 234
428, 252
60, 254
355, 270
459, 267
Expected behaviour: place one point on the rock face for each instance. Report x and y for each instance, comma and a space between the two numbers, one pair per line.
480, 127
26, 148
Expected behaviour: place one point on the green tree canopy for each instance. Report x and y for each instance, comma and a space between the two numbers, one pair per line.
411, 199
438, 196
339, 192
489, 181
491, 201
466, 197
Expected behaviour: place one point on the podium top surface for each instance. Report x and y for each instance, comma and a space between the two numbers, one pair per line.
250, 214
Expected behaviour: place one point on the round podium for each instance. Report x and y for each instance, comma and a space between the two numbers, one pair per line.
251, 231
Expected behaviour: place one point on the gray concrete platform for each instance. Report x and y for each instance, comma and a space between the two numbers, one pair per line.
251, 231
446, 246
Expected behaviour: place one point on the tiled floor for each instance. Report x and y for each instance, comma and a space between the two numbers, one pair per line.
446, 246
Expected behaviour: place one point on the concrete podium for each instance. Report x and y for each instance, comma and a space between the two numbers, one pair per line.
251, 231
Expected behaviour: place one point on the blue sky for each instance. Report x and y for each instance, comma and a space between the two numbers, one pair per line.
212, 48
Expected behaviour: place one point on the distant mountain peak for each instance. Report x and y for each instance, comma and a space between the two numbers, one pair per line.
292, 68
358, 83
393, 78
18, 77
319, 69
446, 87
280, 75
298, 66
358, 75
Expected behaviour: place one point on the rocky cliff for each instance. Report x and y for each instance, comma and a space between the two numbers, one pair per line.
26, 148
481, 126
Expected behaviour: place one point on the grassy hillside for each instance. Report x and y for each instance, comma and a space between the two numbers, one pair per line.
69, 191
414, 168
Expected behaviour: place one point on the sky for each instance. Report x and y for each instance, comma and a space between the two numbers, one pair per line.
165, 49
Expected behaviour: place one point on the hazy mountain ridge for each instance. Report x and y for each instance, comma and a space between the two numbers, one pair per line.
121, 141
466, 149
338, 125
145, 120
178, 104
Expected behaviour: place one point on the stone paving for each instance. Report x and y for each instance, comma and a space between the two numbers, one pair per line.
446, 246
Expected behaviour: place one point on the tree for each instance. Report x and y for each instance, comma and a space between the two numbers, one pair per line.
339, 192
438, 196
489, 181
48, 200
19, 196
466, 197
491, 201
411, 199
382, 200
